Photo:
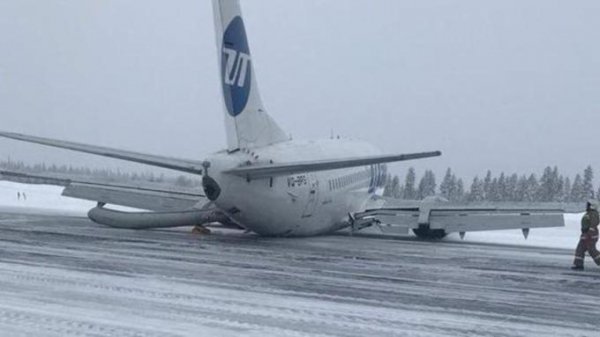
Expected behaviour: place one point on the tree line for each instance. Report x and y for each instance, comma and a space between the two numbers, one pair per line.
551, 186
98, 174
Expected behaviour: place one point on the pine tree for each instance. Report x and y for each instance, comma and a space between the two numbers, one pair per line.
532, 189
387, 189
588, 183
501, 188
427, 185
395, 192
409, 191
545, 191
476, 193
522, 189
557, 184
392, 186
577, 191
559, 192
492, 195
511, 187
448, 185
460, 191
566, 190
487, 183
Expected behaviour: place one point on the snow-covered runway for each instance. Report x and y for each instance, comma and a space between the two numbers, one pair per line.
62, 275
65, 276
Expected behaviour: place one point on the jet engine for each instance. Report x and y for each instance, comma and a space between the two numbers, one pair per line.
147, 220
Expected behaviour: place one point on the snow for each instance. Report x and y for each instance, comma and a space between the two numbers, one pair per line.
40, 199
66, 276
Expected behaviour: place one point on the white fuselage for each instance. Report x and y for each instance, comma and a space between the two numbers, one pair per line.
299, 204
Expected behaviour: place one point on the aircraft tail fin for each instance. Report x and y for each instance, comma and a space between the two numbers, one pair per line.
247, 123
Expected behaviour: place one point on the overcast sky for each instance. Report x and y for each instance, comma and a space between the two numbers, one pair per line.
508, 85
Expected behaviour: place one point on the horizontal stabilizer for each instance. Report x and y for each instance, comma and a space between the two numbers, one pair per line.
268, 170
189, 166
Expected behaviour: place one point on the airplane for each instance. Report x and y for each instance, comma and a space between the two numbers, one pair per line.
268, 184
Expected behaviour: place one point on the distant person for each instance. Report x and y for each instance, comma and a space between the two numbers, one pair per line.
18, 195
589, 236
24, 196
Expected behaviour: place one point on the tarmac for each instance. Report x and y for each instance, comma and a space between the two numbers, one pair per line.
66, 276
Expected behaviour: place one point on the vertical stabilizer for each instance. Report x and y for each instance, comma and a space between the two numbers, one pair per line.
247, 123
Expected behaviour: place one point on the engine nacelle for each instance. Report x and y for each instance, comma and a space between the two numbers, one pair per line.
146, 220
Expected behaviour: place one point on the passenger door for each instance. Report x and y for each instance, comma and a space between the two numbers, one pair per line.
313, 196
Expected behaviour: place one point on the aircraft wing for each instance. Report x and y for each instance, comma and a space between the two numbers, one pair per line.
447, 218
269, 170
143, 196
184, 165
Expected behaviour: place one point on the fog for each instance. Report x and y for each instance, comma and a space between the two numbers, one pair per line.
507, 85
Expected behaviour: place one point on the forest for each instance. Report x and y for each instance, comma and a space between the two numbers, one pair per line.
549, 186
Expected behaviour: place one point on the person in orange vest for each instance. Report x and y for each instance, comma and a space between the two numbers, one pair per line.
589, 236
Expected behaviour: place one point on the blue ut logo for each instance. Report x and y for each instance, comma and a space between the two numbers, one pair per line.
236, 67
